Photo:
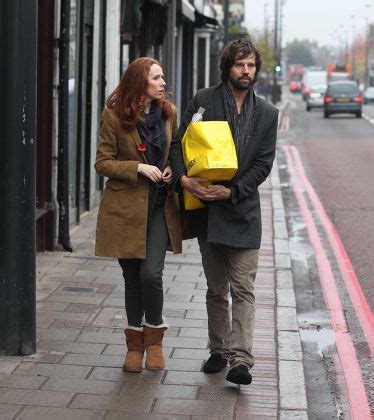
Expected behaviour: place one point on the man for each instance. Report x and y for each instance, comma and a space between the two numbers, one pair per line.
229, 227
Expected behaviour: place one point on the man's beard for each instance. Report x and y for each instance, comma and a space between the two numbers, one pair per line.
237, 85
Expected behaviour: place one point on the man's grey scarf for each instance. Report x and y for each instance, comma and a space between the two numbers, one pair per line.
240, 124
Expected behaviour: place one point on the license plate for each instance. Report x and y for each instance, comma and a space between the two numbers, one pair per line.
342, 100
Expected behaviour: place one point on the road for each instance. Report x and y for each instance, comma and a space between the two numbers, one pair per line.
327, 173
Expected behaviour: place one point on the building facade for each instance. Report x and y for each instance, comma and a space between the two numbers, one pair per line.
84, 46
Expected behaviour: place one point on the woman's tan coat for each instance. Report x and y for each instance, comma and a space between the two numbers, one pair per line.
122, 220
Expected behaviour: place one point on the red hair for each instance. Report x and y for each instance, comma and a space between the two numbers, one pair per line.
127, 100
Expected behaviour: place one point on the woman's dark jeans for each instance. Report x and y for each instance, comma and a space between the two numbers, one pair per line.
143, 278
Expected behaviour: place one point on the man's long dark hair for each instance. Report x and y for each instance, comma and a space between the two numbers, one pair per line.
238, 48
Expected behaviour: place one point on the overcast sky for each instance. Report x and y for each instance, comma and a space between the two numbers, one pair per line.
318, 20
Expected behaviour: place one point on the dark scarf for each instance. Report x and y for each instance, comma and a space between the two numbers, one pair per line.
240, 124
153, 135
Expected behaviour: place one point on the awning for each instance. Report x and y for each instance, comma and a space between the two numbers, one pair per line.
202, 20
185, 8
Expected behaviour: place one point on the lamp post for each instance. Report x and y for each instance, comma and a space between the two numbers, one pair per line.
275, 86
366, 54
226, 21
353, 46
344, 29
367, 36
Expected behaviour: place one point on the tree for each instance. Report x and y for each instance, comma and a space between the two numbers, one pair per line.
299, 52
236, 32
267, 54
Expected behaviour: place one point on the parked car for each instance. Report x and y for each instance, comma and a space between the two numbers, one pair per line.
369, 95
315, 97
343, 97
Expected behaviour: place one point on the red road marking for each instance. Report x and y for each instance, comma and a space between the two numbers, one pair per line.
358, 402
362, 308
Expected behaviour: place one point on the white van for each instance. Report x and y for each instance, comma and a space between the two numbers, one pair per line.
312, 78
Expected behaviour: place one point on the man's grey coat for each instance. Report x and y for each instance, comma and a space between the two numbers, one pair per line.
235, 222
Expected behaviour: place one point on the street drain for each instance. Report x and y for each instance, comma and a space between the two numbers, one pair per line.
78, 289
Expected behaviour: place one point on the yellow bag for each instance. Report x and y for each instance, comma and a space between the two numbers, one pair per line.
209, 152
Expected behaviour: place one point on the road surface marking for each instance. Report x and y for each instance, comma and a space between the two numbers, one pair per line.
371, 120
358, 401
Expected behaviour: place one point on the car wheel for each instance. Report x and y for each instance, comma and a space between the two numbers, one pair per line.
308, 108
326, 114
359, 114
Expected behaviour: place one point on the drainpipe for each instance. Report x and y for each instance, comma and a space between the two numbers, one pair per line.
63, 129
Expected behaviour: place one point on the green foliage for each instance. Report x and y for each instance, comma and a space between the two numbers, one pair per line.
236, 32
267, 54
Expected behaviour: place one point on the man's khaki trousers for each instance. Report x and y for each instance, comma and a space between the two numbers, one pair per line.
233, 270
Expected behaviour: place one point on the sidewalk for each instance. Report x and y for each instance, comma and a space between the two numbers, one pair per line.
76, 373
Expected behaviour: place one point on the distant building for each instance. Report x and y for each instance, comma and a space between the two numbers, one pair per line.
236, 10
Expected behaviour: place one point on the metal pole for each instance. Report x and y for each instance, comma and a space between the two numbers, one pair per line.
18, 55
367, 34
266, 35
353, 47
226, 21
170, 42
63, 129
274, 98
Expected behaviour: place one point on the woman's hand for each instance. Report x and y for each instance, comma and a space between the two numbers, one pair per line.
150, 171
167, 175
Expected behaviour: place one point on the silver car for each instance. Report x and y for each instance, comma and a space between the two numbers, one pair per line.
315, 97
369, 95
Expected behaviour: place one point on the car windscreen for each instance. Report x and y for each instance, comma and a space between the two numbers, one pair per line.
339, 89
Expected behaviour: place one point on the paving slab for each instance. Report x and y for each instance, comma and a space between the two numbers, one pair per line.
51, 413
139, 404
292, 385
36, 397
8, 411
182, 406
52, 370
14, 381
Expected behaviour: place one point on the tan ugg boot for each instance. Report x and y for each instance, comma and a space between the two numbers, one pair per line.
153, 345
135, 350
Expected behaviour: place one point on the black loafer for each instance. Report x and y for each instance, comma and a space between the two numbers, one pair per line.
215, 363
240, 375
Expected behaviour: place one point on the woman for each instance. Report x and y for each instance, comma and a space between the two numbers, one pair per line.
138, 217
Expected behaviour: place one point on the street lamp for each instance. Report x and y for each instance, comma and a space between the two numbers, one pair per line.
353, 46
275, 87
344, 29
366, 71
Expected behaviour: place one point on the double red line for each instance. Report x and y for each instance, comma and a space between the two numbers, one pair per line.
358, 401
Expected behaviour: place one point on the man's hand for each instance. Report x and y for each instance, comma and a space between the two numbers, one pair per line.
193, 186
217, 192
210, 193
